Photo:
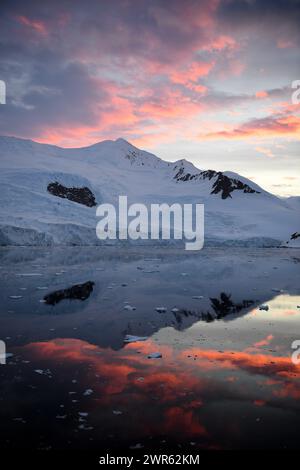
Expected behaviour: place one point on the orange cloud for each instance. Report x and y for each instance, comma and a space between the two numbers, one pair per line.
272, 126
222, 42
265, 151
261, 94
195, 71
285, 44
35, 25
264, 342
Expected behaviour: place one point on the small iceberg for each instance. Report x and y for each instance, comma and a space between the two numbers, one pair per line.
134, 339
129, 307
161, 309
155, 355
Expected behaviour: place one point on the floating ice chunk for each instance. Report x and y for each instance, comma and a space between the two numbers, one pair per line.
197, 297
88, 392
83, 427
264, 307
136, 446
28, 274
274, 289
42, 287
16, 297
129, 307
155, 355
175, 310
117, 412
184, 274
44, 372
83, 414
133, 339
161, 309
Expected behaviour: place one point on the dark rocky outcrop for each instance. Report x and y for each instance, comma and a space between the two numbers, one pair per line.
220, 308
76, 292
226, 186
295, 235
222, 184
80, 195
224, 306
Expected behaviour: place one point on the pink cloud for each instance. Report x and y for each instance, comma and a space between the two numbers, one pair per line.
37, 26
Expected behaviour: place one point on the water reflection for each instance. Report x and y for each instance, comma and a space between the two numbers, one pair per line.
76, 292
74, 383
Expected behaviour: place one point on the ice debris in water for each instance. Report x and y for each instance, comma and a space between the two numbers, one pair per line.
136, 446
28, 274
161, 309
117, 412
16, 297
197, 297
129, 307
264, 307
44, 372
88, 392
175, 310
155, 355
133, 339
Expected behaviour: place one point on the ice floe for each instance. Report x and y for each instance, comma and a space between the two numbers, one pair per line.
134, 339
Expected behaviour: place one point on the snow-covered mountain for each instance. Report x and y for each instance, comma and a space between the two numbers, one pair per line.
49, 194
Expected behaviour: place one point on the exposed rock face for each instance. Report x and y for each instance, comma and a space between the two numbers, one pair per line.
80, 195
225, 186
76, 292
222, 184
295, 235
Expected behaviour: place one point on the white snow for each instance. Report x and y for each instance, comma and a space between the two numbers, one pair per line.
30, 215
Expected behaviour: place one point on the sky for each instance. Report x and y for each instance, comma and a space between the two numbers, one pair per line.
205, 80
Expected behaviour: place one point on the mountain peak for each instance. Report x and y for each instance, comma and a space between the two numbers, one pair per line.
120, 140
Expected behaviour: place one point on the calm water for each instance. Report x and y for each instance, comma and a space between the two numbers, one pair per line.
225, 378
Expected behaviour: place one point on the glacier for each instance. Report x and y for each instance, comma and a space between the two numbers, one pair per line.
49, 195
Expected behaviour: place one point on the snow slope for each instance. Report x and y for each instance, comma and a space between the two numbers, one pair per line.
237, 211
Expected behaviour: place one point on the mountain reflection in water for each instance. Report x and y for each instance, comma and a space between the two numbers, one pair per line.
225, 382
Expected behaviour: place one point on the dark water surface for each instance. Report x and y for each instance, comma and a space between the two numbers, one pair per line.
225, 378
